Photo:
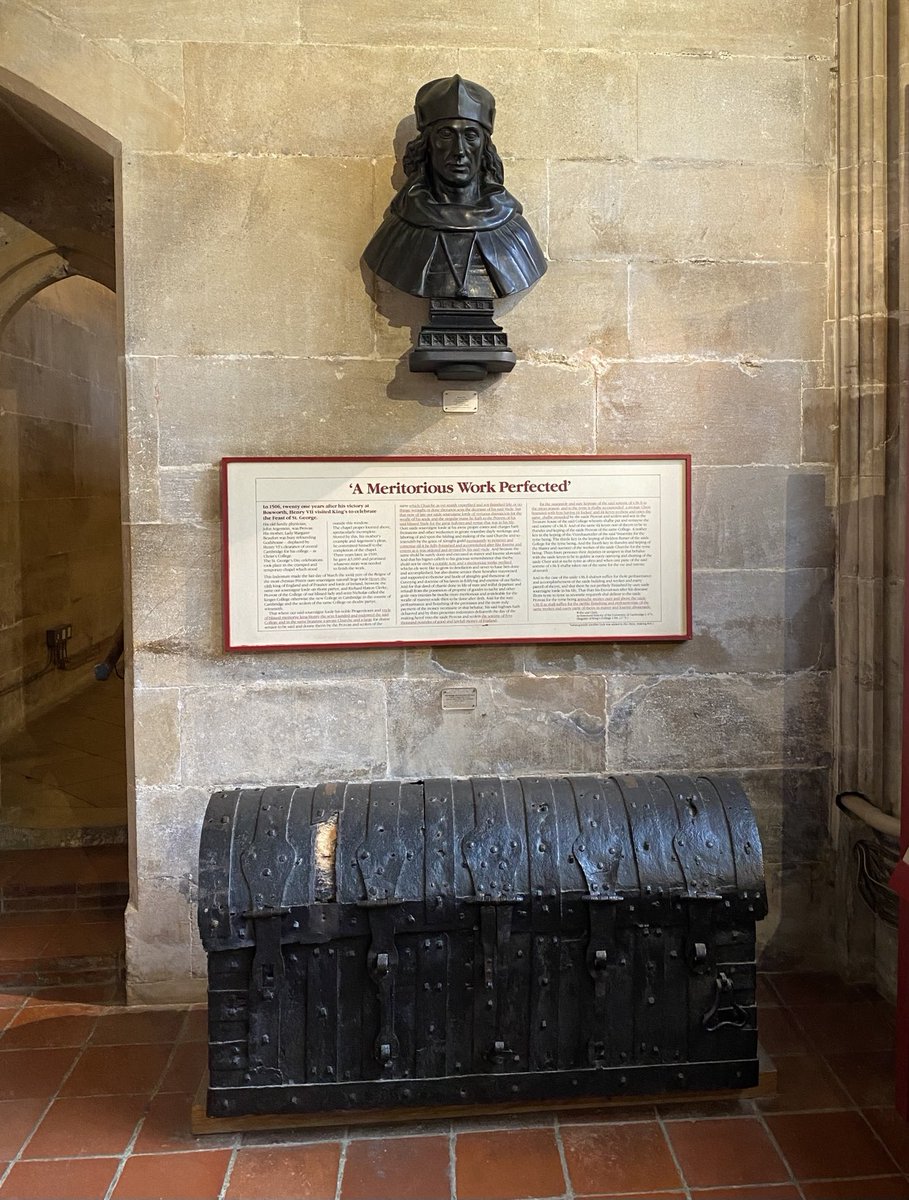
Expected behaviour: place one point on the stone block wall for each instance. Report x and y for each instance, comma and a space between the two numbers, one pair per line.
60, 546
675, 161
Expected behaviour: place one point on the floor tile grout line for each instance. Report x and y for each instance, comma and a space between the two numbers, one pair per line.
342, 1162
402, 1130
140, 1124
721, 1191
452, 1162
560, 1146
779, 1149
675, 1158
231, 1163
842, 1083
80, 1050
880, 1140
852, 1178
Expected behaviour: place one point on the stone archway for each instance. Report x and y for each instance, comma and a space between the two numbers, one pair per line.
57, 76
60, 412
62, 736
28, 263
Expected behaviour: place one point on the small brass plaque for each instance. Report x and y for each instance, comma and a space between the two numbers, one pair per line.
459, 699
459, 402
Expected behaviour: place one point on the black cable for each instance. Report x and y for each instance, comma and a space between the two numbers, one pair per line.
875, 862
56, 660
83, 657
21, 683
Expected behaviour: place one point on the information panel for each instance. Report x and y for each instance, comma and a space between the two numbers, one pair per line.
343, 552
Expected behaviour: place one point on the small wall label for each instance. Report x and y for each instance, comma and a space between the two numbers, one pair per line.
459, 699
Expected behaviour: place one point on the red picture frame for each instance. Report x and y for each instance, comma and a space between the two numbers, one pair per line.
231, 643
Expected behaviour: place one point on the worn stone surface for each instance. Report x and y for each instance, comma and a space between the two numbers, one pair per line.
282, 110
797, 934
46, 458
761, 517
519, 725
96, 461
168, 827
576, 311
9, 478
792, 810
172, 662
259, 227
414, 22
722, 109
161, 61
559, 105
156, 738
190, 495
283, 733
719, 413
60, 557
206, 406
177, 629
466, 660
158, 924
85, 86
40, 390
180, 20
727, 310
819, 424
142, 497
744, 621
173, 570
175, 989
820, 108
673, 210
697, 722
775, 27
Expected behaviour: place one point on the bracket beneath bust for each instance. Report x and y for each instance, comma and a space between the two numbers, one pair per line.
462, 341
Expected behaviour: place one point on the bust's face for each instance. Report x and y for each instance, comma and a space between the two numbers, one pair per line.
456, 148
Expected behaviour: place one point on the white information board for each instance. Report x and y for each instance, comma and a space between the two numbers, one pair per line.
360, 552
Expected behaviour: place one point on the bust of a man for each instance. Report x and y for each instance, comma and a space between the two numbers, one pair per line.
453, 230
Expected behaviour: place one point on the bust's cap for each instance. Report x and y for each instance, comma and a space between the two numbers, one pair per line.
453, 97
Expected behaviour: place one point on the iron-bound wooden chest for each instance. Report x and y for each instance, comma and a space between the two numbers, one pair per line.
465, 941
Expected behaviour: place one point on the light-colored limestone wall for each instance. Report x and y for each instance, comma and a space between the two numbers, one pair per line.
60, 481
674, 160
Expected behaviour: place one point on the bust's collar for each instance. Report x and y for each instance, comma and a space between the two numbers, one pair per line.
416, 204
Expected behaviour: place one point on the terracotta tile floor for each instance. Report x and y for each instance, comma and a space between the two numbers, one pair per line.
95, 1102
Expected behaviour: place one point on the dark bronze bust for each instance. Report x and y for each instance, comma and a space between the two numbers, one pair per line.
454, 233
